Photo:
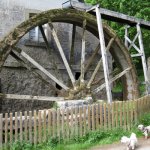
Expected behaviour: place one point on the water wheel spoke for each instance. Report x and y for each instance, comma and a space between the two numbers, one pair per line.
112, 80
62, 54
45, 38
36, 74
99, 63
83, 54
92, 58
42, 69
30, 97
72, 45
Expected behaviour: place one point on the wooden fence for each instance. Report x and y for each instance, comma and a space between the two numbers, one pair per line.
36, 127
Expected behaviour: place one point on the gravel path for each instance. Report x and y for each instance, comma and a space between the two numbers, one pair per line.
142, 145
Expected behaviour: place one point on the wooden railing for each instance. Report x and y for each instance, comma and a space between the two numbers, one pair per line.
36, 127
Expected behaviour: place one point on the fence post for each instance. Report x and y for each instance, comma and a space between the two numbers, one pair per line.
93, 117
1, 130
11, 128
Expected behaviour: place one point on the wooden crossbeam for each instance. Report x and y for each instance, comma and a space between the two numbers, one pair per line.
30, 97
62, 54
111, 80
136, 36
42, 69
99, 63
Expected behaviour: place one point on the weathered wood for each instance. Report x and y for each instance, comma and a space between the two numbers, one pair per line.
44, 126
93, 117
58, 124
49, 123
72, 45
104, 54
54, 123
21, 135
89, 117
62, 124
124, 116
101, 115
111, 80
80, 121
131, 44
105, 116
30, 126
113, 115
76, 122
97, 117
16, 126
121, 110
83, 54
117, 112
62, 54
85, 119
109, 116
11, 129
6, 128
99, 63
42, 69
67, 124
26, 126
1, 130
30, 97
45, 39
39, 127
35, 128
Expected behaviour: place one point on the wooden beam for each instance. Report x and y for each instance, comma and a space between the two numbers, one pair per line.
30, 97
42, 69
111, 80
92, 58
62, 54
45, 38
104, 54
72, 45
136, 36
27, 66
83, 54
99, 64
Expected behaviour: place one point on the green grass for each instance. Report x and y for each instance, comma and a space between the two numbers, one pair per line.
101, 137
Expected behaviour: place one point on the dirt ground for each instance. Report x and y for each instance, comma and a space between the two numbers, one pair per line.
142, 145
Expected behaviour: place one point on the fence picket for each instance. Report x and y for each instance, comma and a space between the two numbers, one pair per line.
120, 115
26, 126
124, 115
72, 123
67, 123
105, 116
54, 123
39, 126
113, 116
49, 123
11, 128
44, 126
16, 126
21, 126
80, 120
89, 117
93, 117
30, 126
101, 115
35, 128
117, 112
1, 130
58, 124
6, 128
97, 117
109, 116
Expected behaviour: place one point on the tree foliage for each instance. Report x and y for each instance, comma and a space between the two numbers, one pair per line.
137, 8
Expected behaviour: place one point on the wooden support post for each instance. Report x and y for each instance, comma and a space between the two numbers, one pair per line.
83, 54
104, 54
126, 35
143, 56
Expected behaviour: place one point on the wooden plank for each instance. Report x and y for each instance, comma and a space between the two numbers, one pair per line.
6, 128
132, 112
113, 115
54, 123
111, 80
121, 111
30, 127
76, 122
136, 111
83, 54
49, 123
62, 124
35, 127
72, 44
105, 116
93, 117
72, 127
92, 58
97, 117
62, 54
80, 121
99, 63
128, 114
67, 124
101, 115
11, 129
1, 131
104, 54
30, 97
16, 126
125, 115
21, 136
45, 39
44, 126
109, 116
42, 69
116, 110
85, 119
26, 126
39, 127
89, 117
58, 124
